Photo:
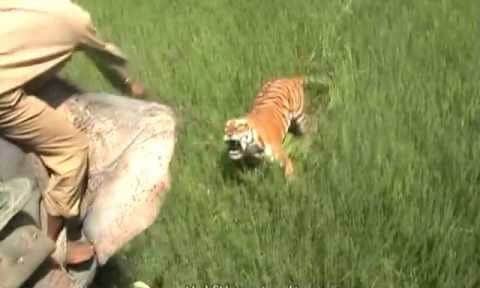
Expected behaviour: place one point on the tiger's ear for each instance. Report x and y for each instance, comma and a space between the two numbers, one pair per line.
234, 121
228, 122
242, 121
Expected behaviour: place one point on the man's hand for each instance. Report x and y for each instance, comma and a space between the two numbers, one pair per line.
137, 89
114, 68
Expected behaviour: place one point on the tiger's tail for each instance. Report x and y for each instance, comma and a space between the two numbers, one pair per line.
318, 87
323, 81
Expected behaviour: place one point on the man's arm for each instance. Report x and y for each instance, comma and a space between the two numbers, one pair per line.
110, 61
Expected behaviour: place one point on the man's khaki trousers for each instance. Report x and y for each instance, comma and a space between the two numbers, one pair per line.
31, 123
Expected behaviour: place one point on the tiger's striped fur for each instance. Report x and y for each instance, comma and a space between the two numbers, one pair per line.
277, 109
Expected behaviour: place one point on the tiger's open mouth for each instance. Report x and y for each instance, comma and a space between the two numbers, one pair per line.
234, 149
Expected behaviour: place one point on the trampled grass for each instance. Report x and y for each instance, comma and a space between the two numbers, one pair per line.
387, 188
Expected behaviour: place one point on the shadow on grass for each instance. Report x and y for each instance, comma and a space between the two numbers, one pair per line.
238, 171
115, 274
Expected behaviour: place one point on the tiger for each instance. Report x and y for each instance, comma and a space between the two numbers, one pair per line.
278, 108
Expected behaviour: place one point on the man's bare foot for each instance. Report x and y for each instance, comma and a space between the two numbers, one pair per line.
79, 252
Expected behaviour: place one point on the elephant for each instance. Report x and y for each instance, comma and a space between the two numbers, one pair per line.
131, 147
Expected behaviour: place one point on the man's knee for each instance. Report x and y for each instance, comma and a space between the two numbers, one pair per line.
80, 142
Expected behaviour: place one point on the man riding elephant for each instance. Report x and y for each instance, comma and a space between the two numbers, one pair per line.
38, 37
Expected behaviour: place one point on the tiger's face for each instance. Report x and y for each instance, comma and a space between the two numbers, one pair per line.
242, 140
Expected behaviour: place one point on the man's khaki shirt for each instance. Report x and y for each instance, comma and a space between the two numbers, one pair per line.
38, 35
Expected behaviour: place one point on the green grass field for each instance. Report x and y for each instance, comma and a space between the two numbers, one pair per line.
386, 192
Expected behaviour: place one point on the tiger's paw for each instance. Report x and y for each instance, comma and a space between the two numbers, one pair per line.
288, 169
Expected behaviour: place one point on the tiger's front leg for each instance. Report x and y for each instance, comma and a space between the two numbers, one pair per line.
285, 162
